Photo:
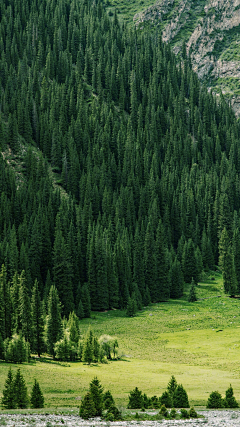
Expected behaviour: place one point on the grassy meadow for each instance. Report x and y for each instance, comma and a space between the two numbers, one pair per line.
197, 342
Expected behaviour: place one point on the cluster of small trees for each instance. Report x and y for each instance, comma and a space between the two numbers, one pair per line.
15, 394
175, 396
30, 325
216, 401
96, 401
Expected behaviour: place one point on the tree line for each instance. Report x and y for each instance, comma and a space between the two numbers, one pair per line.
123, 180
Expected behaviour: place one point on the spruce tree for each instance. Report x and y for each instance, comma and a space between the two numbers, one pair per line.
96, 391
9, 397
20, 390
38, 344
54, 330
192, 293
36, 399
87, 407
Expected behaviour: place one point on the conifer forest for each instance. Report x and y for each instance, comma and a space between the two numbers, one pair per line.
119, 172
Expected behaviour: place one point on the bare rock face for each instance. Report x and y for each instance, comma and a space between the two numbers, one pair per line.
211, 30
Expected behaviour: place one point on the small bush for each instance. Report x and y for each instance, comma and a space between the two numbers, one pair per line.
163, 411
215, 401
193, 413
184, 414
173, 413
116, 414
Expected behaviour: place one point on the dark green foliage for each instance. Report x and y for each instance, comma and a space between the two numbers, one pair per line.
114, 411
166, 399
107, 400
192, 293
54, 321
172, 385
215, 401
96, 391
192, 413
163, 411
20, 390
9, 398
173, 413
131, 174
38, 344
180, 397
87, 407
135, 399
36, 399
131, 307
229, 400
184, 414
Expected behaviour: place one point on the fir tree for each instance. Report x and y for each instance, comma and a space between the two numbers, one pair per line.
20, 390
54, 322
36, 399
9, 397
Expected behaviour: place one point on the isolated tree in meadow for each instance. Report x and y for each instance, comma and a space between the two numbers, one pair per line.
36, 399
8, 399
20, 390
229, 400
96, 391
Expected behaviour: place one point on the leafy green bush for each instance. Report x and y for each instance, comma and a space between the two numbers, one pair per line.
193, 413
173, 413
163, 411
184, 414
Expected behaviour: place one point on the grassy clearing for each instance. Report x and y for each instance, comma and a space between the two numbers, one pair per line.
198, 342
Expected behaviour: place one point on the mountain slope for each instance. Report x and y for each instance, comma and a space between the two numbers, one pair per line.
211, 30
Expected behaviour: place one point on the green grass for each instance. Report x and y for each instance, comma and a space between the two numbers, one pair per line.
197, 342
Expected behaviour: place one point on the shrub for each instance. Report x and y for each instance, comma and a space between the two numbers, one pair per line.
163, 411
114, 413
215, 401
154, 402
173, 413
230, 401
184, 414
180, 397
135, 399
193, 413
107, 400
87, 409
146, 402
166, 399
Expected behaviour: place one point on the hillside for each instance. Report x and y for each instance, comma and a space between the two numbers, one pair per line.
210, 29
120, 172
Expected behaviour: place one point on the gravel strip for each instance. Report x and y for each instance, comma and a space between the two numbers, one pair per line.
224, 418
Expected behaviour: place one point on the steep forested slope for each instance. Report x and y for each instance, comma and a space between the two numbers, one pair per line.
148, 159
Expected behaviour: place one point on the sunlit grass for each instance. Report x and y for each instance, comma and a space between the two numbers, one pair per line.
197, 342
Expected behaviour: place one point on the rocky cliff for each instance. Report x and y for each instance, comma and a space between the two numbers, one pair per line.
211, 30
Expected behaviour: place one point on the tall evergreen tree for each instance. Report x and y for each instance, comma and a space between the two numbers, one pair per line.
54, 329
